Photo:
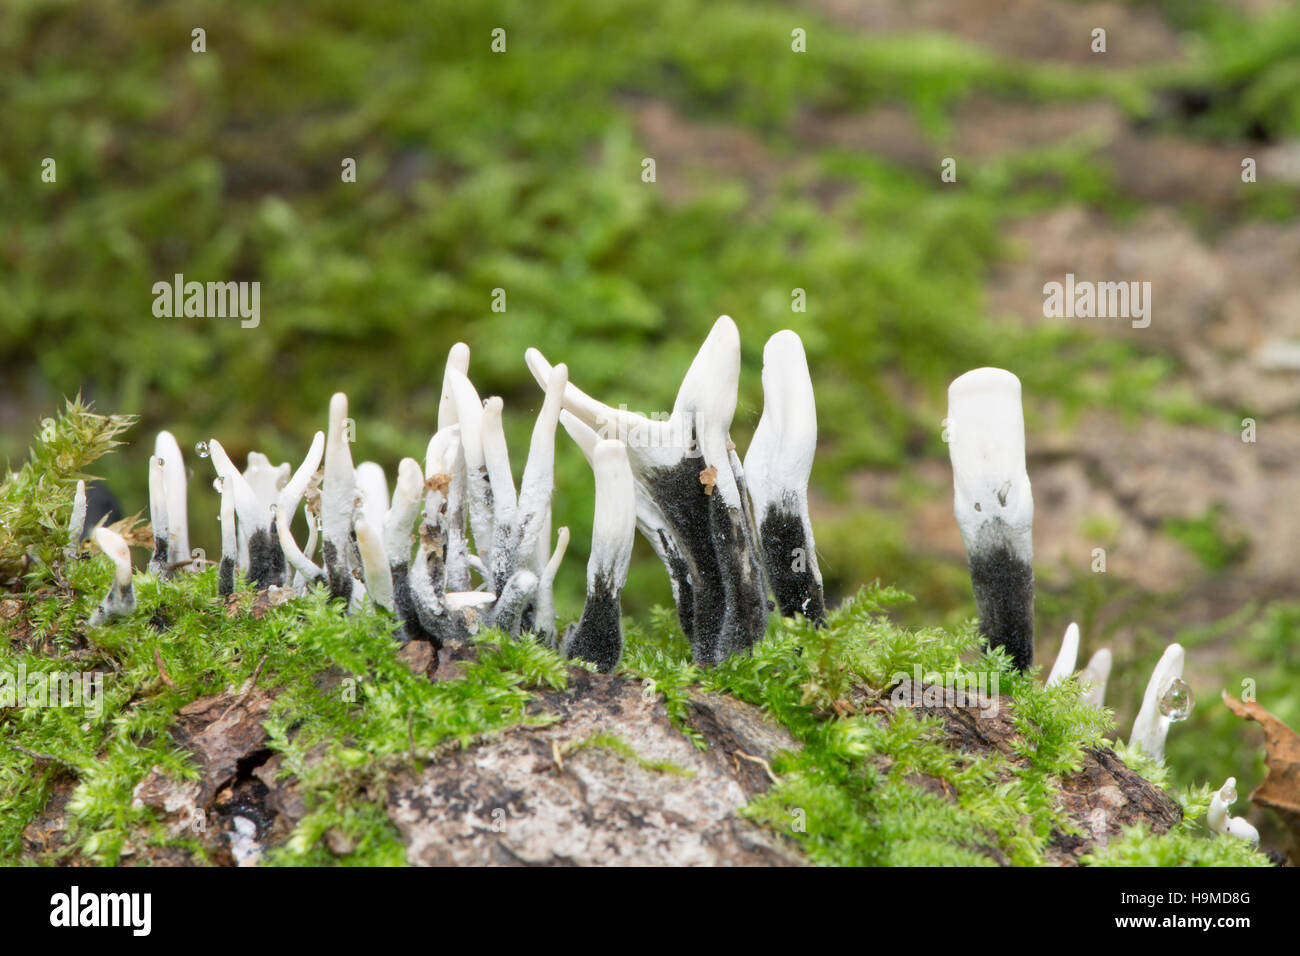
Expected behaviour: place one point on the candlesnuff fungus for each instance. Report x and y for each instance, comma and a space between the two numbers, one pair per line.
693, 512
254, 493
77, 523
530, 541
229, 543
1156, 714
398, 524
120, 599
993, 505
338, 501
680, 480
175, 487
1066, 657
160, 563
1092, 679
598, 635
468, 411
286, 504
1094, 676
372, 486
1221, 822
378, 576
777, 466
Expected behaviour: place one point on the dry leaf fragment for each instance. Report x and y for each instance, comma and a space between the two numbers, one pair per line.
1280, 791
709, 478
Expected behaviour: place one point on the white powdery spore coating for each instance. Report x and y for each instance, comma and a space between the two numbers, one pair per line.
780, 456
1065, 660
339, 487
405, 508
614, 520
1094, 677
374, 563
175, 483
986, 443
114, 546
1151, 727
373, 485
77, 522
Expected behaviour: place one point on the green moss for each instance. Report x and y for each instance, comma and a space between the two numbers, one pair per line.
36, 500
864, 790
340, 696
348, 715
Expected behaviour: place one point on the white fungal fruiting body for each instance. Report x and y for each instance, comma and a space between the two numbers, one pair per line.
538, 484
402, 512
372, 485
291, 494
598, 635
175, 484
479, 500
286, 504
445, 496
776, 469
683, 465
265, 480
986, 444
229, 538
255, 491
544, 618
160, 563
650, 520
338, 496
374, 562
614, 518
1094, 676
457, 361
993, 504
502, 556
1219, 820
780, 457
77, 523
120, 599
1151, 726
299, 561
1066, 658
245, 501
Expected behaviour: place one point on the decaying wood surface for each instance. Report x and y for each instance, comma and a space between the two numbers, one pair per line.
602, 778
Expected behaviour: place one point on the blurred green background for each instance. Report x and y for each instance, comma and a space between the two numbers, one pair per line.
775, 171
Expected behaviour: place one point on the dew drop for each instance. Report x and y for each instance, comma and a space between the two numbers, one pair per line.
1176, 702
201, 449
1228, 794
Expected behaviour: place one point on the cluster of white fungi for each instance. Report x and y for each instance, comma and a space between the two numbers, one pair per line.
456, 546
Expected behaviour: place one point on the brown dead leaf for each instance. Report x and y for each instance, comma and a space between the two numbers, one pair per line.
162, 669
1280, 791
221, 731
709, 478
420, 657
